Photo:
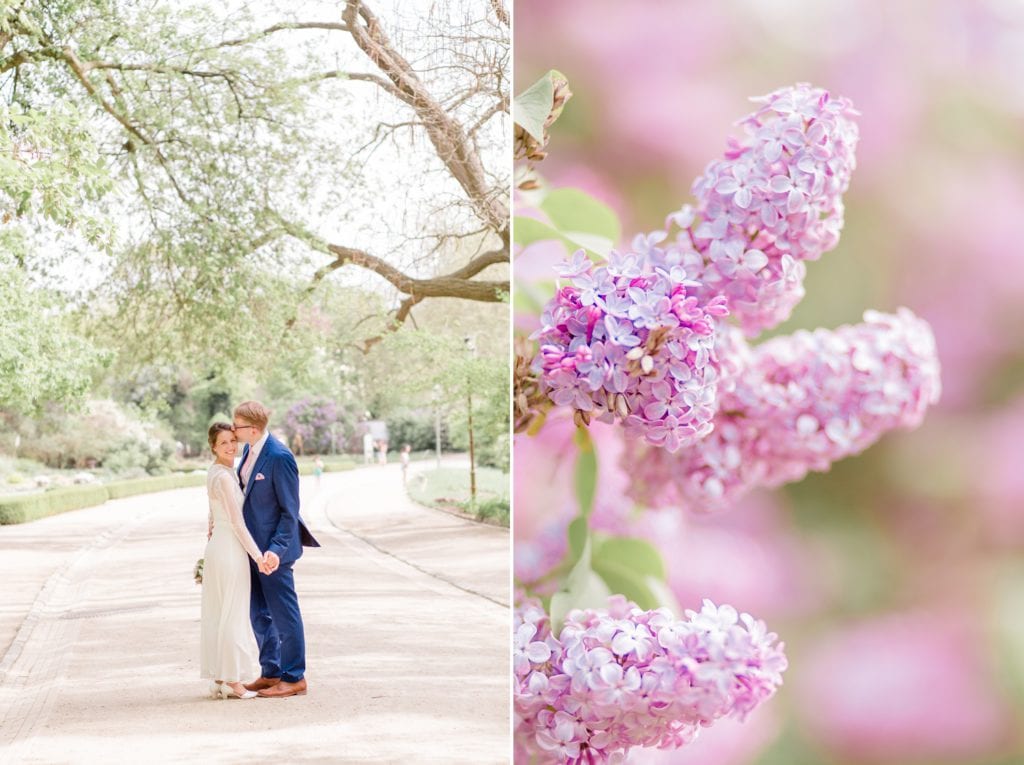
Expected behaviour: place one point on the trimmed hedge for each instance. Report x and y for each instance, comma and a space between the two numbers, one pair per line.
119, 489
32, 507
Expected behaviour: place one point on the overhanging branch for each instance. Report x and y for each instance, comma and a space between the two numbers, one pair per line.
284, 26
449, 138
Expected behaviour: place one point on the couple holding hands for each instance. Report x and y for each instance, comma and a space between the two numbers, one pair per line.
255, 535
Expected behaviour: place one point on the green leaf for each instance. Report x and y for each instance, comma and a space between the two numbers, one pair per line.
529, 230
577, 214
576, 219
622, 580
578, 533
532, 297
636, 554
583, 589
586, 472
634, 568
531, 108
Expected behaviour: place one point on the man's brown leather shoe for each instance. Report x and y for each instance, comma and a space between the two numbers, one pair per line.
261, 683
283, 689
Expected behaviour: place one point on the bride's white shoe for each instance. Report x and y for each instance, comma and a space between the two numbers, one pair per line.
227, 692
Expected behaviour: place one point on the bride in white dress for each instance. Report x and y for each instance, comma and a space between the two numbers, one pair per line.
227, 644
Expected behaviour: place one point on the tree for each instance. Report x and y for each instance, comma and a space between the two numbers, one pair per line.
470, 383
235, 154
41, 360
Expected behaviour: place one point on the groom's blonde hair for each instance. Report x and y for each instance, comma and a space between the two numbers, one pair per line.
254, 412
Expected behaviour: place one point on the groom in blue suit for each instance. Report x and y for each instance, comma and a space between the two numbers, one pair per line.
269, 479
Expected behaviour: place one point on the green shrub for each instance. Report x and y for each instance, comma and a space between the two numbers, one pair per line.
32, 507
15, 478
119, 489
419, 432
495, 510
104, 433
495, 452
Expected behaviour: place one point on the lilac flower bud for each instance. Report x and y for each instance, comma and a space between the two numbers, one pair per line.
624, 677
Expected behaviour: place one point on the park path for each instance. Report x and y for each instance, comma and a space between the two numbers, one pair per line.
407, 624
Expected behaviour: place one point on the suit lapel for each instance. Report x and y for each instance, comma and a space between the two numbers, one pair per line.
261, 460
238, 473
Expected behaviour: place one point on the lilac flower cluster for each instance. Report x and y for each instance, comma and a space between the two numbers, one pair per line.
777, 411
634, 339
623, 677
631, 342
772, 202
316, 419
803, 402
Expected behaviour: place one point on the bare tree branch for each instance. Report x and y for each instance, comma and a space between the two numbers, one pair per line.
452, 144
497, 108
283, 26
77, 67
26, 57
500, 12
357, 76
457, 284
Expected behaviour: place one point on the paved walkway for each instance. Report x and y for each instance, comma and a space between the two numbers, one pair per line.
407, 625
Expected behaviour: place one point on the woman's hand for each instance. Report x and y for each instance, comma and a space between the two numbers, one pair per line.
271, 561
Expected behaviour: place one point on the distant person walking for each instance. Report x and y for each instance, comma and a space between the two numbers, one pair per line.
367, 448
382, 454
406, 450
318, 470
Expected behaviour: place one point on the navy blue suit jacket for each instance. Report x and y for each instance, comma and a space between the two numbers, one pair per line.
271, 507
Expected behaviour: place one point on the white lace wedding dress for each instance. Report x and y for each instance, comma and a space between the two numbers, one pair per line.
227, 645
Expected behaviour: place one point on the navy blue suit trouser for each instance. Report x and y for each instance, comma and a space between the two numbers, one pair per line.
274, 612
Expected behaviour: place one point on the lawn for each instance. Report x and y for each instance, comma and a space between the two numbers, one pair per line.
448, 488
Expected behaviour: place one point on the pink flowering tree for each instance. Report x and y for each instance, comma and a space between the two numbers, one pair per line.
655, 339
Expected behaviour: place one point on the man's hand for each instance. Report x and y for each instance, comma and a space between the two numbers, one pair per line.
261, 564
271, 562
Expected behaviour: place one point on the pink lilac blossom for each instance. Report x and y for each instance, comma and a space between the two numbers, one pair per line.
773, 202
634, 339
629, 342
805, 401
727, 742
622, 677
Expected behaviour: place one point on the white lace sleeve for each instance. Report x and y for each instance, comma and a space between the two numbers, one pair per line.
230, 497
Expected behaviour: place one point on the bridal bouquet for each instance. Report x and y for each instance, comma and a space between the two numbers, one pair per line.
197, 572
644, 351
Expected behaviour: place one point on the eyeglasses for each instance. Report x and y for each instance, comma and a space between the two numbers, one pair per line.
242, 427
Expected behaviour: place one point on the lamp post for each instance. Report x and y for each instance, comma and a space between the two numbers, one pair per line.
437, 423
471, 347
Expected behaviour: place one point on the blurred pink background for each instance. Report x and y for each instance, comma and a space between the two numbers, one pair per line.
897, 579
